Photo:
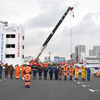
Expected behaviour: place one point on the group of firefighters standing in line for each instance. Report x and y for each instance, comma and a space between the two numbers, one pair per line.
57, 70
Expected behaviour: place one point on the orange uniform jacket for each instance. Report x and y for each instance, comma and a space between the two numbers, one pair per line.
98, 74
17, 71
71, 70
22, 67
65, 71
27, 70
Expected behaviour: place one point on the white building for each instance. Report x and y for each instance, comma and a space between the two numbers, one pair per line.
91, 60
12, 44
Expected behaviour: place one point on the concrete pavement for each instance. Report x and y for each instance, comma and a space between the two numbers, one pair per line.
50, 89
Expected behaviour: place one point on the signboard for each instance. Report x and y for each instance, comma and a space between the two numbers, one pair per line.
10, 29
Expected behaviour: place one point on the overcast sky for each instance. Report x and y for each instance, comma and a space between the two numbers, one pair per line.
39, 17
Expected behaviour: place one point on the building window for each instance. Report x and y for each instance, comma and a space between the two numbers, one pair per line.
10, 45
23, 37
7, 45
10, 55
10, 36
22, 46
7, 56
23, 56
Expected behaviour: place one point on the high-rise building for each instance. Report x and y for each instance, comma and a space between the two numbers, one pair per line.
91, 53
80, 51
95, 51
11, 44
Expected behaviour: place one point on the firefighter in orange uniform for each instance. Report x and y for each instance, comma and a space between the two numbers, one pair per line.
98, 73
71, 70
22, 67
27, 72
17, 71
76, 72
65, 72
60, 72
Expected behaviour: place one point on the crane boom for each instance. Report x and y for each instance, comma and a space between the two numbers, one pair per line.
53, 31
5, 23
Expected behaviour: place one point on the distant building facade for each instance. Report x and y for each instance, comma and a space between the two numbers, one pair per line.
58, 59
80, 52
91, 53
95, 51
92, 60
74, 56
47, 59
94, 56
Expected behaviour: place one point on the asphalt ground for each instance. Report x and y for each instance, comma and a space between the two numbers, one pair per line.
14, 89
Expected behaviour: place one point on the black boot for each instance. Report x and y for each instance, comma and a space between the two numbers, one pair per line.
70, 78
83, 79
28, 86
25, 86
